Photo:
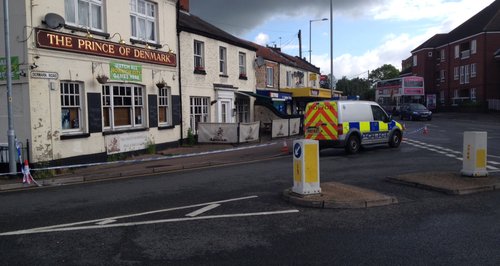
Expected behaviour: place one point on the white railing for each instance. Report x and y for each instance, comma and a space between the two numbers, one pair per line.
494, 104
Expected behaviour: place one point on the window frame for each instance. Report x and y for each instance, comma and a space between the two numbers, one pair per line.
165, 101
129, 100
78, 98
202, 104
74, 10
289, 79
149, 18
473, 70
269, 76
199, 54
473, 46
242, 64
415, 62
222, 60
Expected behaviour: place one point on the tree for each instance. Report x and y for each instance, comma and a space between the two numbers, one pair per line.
355, 87
387, 71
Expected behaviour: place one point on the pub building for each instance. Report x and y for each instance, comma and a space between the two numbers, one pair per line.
92, 78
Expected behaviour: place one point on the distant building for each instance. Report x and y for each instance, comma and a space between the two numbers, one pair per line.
461, 68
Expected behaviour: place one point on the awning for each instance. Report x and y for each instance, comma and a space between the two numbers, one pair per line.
319, 93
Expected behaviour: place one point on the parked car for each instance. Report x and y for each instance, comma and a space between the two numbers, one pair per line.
414, 111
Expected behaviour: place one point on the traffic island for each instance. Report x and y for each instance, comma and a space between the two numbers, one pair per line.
339, 196
448, 182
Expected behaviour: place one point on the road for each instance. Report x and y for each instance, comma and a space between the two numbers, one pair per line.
234, 215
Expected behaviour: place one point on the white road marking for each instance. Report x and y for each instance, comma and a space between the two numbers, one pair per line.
202, 210
110, 221
448, 152
64, 229
106, 222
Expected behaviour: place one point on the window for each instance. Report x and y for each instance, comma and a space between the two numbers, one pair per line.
456, 73
71, 107
466, 76
462, 74
84, 13
199, 111
415, 60
198, 55
143, 20
299, 76
242, 59
269, 76
473, 46
123, 106
222, 60
443, 55
441, 75
472, 94
379, 114
441, 97
289, 79
473, 72
457, 51
243, 110
164, 111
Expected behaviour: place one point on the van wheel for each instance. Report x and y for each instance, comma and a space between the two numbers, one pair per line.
395, 140
352, 145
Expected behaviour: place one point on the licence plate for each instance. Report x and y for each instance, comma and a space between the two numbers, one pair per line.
312, 130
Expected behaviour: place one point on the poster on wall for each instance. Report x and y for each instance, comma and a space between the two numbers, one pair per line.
431, 101
14, 68
217, 133
125, 72
126, 142
249, 132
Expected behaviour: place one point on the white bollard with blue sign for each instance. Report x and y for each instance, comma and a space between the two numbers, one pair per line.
306, 167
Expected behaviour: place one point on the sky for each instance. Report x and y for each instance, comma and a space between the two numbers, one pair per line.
366, 33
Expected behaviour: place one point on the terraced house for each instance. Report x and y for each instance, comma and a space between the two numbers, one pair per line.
92, 78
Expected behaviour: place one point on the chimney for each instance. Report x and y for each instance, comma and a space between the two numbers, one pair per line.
184, 5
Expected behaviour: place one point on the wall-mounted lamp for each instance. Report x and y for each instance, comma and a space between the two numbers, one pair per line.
33, 66
169, 49
121, 40
22, 73
89, 35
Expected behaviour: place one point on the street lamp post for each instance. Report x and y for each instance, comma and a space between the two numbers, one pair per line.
310, 22
10, 131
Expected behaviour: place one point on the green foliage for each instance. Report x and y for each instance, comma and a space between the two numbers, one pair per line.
190, 137
151, 146
356, 87
117, 157
41, 174
387, 71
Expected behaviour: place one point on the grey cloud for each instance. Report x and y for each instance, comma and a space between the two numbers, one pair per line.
240, 16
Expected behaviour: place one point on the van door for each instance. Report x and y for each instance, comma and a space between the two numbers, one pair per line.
379, 127
320, 121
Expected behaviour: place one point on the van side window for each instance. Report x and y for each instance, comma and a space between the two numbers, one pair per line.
379, 114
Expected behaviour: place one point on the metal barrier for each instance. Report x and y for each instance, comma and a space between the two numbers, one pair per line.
4, 154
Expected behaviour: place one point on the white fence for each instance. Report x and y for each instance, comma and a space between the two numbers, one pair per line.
228, 132
494, 104
285, 127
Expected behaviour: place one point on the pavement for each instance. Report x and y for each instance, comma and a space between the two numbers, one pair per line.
333, 194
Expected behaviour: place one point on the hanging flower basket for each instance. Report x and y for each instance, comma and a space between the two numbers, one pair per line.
102, 79
161, 84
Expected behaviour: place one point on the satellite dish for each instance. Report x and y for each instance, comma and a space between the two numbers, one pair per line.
54, 21
259, 61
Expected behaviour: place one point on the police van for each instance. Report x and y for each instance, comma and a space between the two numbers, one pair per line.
350, 124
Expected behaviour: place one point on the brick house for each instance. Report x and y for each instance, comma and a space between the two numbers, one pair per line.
461, 68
